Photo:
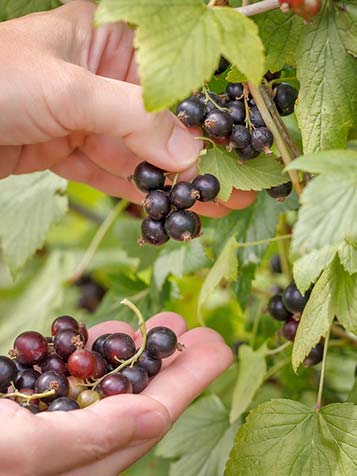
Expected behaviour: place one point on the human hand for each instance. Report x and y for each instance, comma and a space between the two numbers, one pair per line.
70, 102
111, 435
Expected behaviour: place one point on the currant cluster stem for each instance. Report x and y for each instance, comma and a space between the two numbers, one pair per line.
28, 398
323, 370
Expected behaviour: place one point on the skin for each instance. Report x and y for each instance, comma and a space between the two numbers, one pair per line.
110, 436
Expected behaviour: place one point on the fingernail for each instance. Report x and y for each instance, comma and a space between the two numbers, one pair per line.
182, 146
151, 424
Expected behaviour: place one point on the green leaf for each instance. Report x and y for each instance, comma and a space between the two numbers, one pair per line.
286, 438
327, 73
352, 397
149, 465
224, 268
348, 257
200, 440
338, 161
345, 299
252, 369
178, 259
175, 60
235, 76
256, 174
346, 19
30, 205
280, 33
309, 267
17, 8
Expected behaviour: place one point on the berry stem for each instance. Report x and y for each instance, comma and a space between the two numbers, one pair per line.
28, 398
323, 370
263, 242
132, 360
282, 139
98, 238
248, 122
279, 349
259, 7
208, 98
203, 151
337, 331
283, 248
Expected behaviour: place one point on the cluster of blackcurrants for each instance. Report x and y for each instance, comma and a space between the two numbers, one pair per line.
167, 206
234, 118
287, 306
58, 374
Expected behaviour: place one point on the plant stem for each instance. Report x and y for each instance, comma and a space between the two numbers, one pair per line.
28, 398
85, 212
337, 331
281, 137
279, 349
263, 242
98, 238
284, 248
323, 370
259, 7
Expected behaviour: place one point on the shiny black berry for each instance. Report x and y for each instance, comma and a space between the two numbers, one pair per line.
147, 177
27, 379
184, 195
247, 153
269, 76
161, 342
256, 118
241, 137
289, 329
157, 204
218, 123
56, 363
63, 404
275, 264
277, 310
285, 97
63, 323
262, 139
153, 232
137, 376
234, 90
91, 291
191, 112
208, 187
181, 225
223, 65
52, 381
8, 371
236, 111
280, 192
150, 363
99, 342
315, 356
117, 347
212, 105
66, 342
293, 300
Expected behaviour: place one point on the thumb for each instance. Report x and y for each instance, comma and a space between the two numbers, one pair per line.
111, 107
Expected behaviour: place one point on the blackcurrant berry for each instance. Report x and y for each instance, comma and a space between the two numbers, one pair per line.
256, 118
315, 356
181, 225
8, 371
83, 332
285, 97
99, 342
262, 139
234, 90
161, 342
101, 367
277, 310
150, 363
30, 348
153, 232
184, 195
191, 112
87, 398
247, 153
290, 329
275, 264
30, 407
115, 384
21, 366
64, 323
67, 342
293, 300
236, 111
208, 187
280, 192
118, 347
218, 123
63, 404
269, 76
210, 105
147, 177
52, 381
137, 376
92, 293
240, 137
157, 204
27, 379
56, 363
82, 364
223, 65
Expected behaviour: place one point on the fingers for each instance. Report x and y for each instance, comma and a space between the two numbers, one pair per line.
206, 356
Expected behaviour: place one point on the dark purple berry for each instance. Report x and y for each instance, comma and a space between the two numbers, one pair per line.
118, 347
27, 379
115, 384
137, 376
157, 204
247, 153
234, 90
285, 98
153, 232
101, 367
208, 187
191, 112
161, 342
150, 363
82, 364
99, 342
184, 195
147, 177
92, 293
223, 65
181, 225
67, 342
30, 348
64, 323
269, 76
63, 404
56, 363
240, 137
236, 111
277, 310
218, 123
30, 407
83, 332
256, 118
280, 192
293, 300
262, 139
315, 356
21, 366
290, 329
275, 264
52, 381
211, 105
8, 372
